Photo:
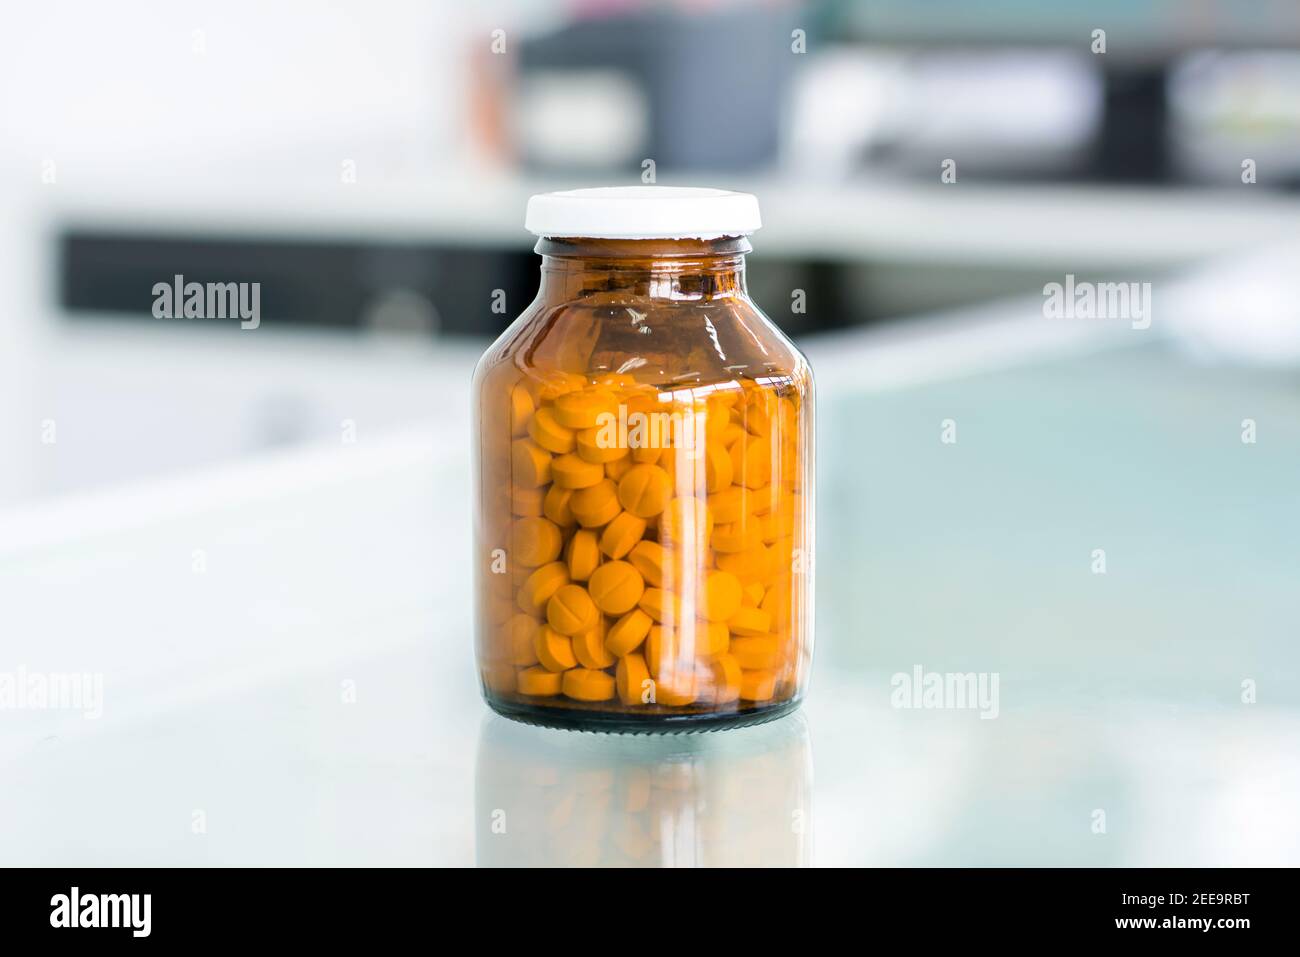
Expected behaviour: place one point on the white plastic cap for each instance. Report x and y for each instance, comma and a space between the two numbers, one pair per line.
643, 212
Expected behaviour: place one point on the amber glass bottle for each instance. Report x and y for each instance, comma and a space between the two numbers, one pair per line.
643, 440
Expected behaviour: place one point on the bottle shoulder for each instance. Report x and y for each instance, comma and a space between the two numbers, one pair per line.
654, 340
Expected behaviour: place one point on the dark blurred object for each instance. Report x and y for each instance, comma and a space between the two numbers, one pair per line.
331, 284
690, 91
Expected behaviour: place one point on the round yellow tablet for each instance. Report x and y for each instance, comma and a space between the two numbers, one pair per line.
738, 536
757, 652
621, 535
757, 685
540, 683
752, 565
626, 634
520, 632
554, 650
647, 557
526, 501
777, 603
549, 434
717, 467
594, 445
582, 554
571, 610
644, 489
589, 647
583, 409
555, 506
538, 587
662, 606
596, 505
572, 471
727, 676
618, 468
731, 504
530, 464
616, 587
632, 678
660, 650
749, 621
751, 461
534, 541
719, 596
711, 638
685, 520
586, 684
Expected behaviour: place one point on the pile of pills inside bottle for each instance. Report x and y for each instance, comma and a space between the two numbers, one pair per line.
652, 558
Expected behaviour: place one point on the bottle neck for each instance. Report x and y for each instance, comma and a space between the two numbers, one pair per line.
678, 269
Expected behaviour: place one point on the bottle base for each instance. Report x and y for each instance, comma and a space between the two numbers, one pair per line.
604, 722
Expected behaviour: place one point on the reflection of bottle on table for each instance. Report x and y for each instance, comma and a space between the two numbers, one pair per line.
548, 799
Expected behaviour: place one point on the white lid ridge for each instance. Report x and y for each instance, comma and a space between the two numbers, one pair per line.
643, 212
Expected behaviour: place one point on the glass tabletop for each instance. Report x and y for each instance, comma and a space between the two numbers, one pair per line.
1056, 607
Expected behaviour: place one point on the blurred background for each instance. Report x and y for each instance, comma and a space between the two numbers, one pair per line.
203, 513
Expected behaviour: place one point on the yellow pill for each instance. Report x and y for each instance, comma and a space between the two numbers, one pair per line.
661, 651
554, 650
777, 603
616, 587
555, 506
589, 647
554, 384
540, 683
534, 541
526, 502
521, 411
618, 468
726, 676
594, 445
621, 535
571, 471
647, 557
711, 638
530, 464
539, 586
597, 505
586, 684
675, 690
757, 685
731, 505
717, 467
626, 634
644, 490
633, 680
779, 523
737, 537
686, 520
646, 455
732, 434
754, 593
662, 606
582, 554
760, 651
719, 596
749, 621
571, 610
549, 434
583, 410
751, 461
752, 565
520, 633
